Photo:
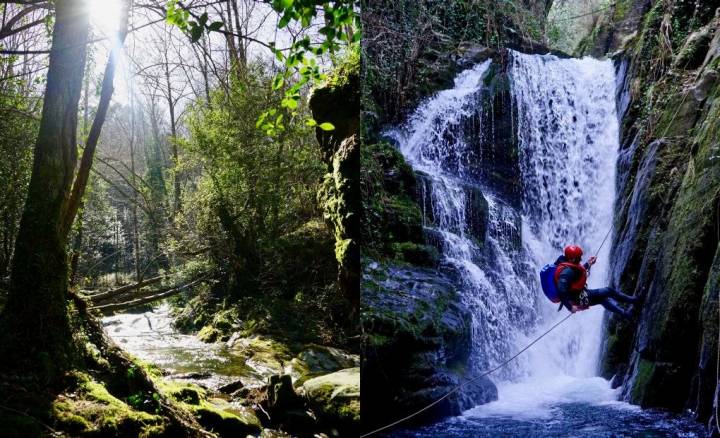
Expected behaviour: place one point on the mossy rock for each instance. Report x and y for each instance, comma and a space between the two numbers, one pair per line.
214, 414
225, 320
318, 359
403, 220
335, 398
182, 391
692, 53
93, 410
416, 254
264, 355
225, 419
209, 334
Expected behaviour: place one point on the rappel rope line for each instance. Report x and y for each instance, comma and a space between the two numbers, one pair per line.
603, 241
601, 245
490, 371
473, 380
717, 370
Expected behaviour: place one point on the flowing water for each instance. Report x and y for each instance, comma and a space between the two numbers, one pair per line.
565, 119
151, 337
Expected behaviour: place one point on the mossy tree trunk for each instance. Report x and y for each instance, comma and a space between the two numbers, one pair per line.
35, 322
35, 319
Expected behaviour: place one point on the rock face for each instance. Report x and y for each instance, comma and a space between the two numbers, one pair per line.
666, 243
338, 103
417, 348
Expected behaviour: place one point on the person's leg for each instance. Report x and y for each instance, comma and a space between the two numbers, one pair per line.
597, 296
612, 306
621, 296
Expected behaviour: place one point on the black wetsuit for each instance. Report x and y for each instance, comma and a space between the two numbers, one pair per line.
604, 296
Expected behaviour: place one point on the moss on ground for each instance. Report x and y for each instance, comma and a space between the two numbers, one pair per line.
91, 409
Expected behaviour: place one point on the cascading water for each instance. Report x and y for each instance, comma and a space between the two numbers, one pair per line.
565, 118
567, 132
568, 140
472, 227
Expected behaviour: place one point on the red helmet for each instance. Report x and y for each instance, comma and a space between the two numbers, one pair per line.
573, 252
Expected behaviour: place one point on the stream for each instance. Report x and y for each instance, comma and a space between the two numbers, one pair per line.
150, 336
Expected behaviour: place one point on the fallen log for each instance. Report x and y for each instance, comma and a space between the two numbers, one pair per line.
148, 297
130, 287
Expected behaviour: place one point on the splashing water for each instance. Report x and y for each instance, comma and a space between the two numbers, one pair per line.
434, 141
567, 133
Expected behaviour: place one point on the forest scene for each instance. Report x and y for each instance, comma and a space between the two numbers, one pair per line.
178, 218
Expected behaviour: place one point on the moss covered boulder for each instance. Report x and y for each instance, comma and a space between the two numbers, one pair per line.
91, 411
215, 414
335, 399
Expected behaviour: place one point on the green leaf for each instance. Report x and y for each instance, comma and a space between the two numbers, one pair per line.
196, 32
215, 26
327, 126
284, 20
278, 82
289, 103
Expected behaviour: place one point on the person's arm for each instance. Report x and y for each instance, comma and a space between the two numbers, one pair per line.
591, 261
563, 287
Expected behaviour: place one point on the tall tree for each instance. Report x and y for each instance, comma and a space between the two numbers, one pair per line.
35, 321
35, 315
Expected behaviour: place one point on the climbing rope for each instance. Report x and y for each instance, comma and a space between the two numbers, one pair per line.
469, 381
603, 241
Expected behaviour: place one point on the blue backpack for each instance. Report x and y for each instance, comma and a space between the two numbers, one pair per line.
547, 280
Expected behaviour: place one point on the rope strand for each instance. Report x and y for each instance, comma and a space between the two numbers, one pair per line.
459, 386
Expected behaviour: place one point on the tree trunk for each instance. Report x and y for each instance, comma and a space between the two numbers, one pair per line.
35, 319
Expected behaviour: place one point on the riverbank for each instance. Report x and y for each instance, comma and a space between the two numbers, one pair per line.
254, 380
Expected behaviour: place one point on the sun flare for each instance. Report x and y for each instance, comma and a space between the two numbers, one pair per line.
105, 14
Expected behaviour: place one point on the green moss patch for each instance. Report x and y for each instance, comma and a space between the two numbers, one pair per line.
92, 409
335, 397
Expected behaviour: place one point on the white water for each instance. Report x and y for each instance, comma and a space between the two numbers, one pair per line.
568, 139
433, 141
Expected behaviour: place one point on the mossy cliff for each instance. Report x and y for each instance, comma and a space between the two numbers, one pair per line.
668, 204
338, 102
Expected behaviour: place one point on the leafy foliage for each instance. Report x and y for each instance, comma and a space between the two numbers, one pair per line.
19, 127
415, 44
341, 28
253, 188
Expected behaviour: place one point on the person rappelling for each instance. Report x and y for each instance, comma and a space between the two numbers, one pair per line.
565, 282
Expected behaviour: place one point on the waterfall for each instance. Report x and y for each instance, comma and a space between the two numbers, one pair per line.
565, 123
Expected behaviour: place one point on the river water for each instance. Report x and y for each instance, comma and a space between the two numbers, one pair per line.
565, 120
150, 336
